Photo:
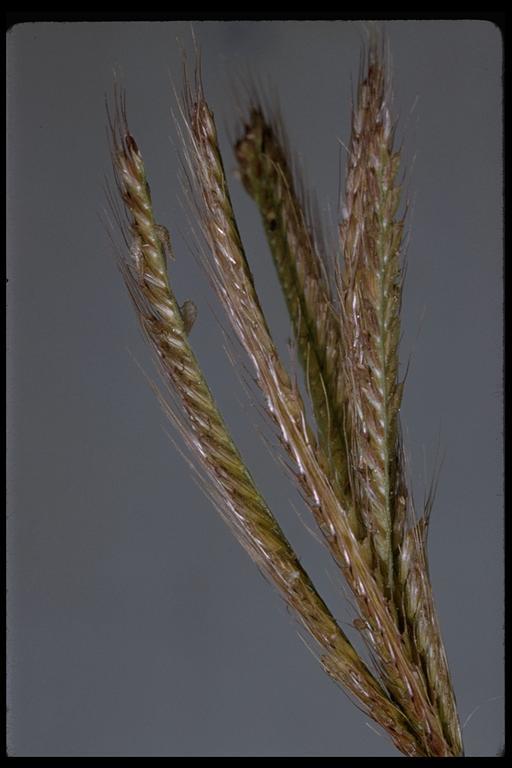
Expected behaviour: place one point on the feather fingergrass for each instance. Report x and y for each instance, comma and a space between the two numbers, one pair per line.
237, 292
349, 465
230, 484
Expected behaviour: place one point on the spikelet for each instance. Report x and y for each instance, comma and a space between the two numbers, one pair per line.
266, 172
423, 626
370, 295
370, 299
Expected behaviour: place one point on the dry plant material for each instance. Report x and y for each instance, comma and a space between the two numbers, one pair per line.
370, 288
229, 482
348, 466
271, 180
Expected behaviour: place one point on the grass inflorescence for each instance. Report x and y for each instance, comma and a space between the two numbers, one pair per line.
347, 463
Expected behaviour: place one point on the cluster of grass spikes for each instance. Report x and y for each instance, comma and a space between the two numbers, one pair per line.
345, 316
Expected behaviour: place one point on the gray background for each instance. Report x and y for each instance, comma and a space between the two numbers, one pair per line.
136, 623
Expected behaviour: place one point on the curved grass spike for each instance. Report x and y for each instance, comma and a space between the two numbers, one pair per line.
370, 295
230, 484
266, 172
234, 284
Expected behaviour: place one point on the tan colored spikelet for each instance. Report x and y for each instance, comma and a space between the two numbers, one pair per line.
236, 290
231, 485
370, 299
370, 293
266, 171
424, 628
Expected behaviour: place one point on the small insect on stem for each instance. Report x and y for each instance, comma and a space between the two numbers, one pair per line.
188, 311
165, 241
